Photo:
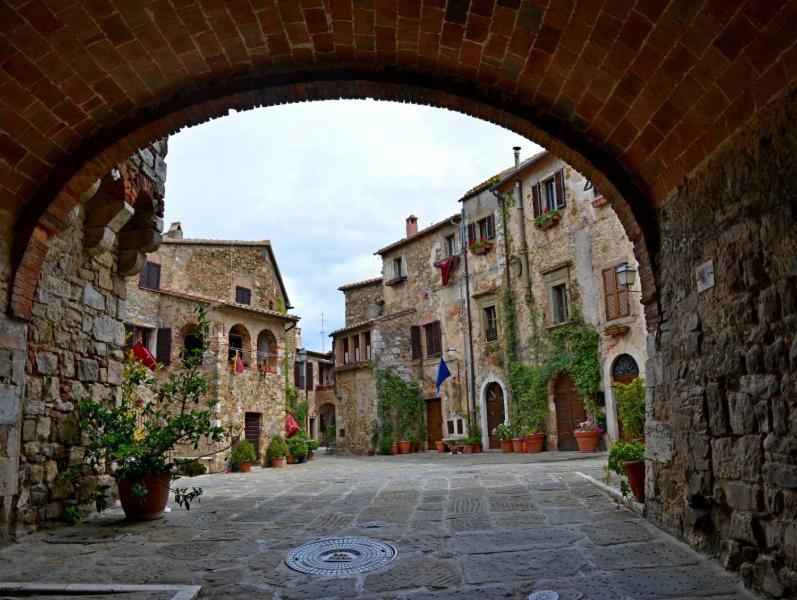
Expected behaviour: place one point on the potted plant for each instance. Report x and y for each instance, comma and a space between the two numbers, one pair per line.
518, 439
631, 408
480, 246
504, 433
588, 436
404, 446
440, 446
297, 446
243, 455
534, 431
276, 452
547, 219
312, 446
133, 438
627, 459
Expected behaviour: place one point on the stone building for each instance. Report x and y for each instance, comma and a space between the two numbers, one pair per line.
247, 302
314, 379
552, 240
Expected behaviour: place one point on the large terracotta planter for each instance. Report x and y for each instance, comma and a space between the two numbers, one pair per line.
291, 459
440, 445
635, 471
506, 446
244, 467
517, 445
475, 448
535, 442
155, 502
278, 462
394, 449
405, 446
587, 440
467, 449
310, 455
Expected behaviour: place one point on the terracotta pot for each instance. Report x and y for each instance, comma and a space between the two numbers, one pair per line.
155, 502
506, 446
371, 451
310, 455
587, 440
477, 448
244, 467
278, 462
291, 459
394, 449
456, 449
405, 446
467, 449
440, 445
517, 445
635, 471
534, 442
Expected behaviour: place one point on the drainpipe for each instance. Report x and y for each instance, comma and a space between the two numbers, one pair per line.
470, 399
507, 273
524, 248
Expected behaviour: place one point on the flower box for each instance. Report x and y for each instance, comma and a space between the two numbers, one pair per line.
600, 201
548, 220
616, 330
480, 247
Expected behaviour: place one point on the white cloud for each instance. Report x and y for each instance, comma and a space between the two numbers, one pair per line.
328, 183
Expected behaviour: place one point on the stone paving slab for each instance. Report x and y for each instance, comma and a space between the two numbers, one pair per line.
480, 526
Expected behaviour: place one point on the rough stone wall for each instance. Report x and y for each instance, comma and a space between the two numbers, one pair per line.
363, 302
722, 424
355, 411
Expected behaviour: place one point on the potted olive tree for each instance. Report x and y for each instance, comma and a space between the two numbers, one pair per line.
243, 456
133, 438
276, 451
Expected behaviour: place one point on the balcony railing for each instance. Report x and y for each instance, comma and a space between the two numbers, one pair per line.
265, 362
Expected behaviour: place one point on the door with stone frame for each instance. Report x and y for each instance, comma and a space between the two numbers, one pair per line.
570, 412
434, 421
494, 405
252, 430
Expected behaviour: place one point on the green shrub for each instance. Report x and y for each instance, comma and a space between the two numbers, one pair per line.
631, 406
313, 445
189, 467
297, 446
244, 453
277, 448
621, 451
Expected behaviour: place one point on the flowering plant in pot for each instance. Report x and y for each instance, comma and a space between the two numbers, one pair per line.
243, 455
276, 451
504, 433
588, 435
480, 246
547, 219
133, 438
627, 459
298, 448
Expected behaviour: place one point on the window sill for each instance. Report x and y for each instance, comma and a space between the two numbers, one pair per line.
548, 223
396, 280
482, 249
552, 326
616, 330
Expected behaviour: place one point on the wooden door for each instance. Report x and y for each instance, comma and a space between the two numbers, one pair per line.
495, 412
434, 420
569, 412
252, 430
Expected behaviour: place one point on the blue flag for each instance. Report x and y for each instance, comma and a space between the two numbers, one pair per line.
442, 374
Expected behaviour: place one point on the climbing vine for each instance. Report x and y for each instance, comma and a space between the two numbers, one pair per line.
400, 409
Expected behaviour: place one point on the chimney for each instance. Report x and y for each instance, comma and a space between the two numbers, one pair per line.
412, 225
175, 231
517, 155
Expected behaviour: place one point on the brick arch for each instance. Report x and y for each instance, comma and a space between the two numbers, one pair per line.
46, 215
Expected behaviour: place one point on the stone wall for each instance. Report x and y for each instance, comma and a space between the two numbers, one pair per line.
363, 302
722, 424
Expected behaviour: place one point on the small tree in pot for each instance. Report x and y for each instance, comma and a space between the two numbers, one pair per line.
627, 459
276, 451
243, 456
297, 446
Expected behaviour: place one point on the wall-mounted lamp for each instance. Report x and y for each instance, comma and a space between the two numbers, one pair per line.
626, 276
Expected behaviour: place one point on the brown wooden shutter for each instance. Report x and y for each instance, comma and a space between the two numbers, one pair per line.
491, 227
433, 339
164, 346
472, 232
415, 341
610, 294
623, 307
560, 189
297, 375
535, 200
310, 376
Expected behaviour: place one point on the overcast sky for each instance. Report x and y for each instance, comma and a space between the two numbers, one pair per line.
328, 183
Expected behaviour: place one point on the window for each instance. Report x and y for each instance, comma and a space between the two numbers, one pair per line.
243, 295
434, 345
490, 324
150, 278
138, 334
483, 229
449, 245
367, 335
549, 194
397, 268
615, 296
559, 303
355, 342
298, 375
345, 351
163, 348
193, 345
415, 342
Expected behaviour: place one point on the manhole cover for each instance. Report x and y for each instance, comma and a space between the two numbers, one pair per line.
544, 595
340, 556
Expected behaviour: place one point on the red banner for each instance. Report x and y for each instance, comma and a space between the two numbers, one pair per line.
291, 426
144, 356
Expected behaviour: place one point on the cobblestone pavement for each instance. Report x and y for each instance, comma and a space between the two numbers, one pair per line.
473, 526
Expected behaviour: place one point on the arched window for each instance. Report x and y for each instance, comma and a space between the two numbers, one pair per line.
193, 344
267, 351
239, 344
625, 369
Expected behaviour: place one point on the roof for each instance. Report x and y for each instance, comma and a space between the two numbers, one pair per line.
435, 226
257, 243
504, 176
351, 327
216, 303
359, 284
359, 324
323, 357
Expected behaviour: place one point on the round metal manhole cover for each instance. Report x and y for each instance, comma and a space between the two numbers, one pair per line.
338, 557
544, 595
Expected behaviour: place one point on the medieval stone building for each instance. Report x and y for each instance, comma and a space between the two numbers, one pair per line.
253, 336
313, 377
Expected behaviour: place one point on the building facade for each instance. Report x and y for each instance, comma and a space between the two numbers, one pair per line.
252, 335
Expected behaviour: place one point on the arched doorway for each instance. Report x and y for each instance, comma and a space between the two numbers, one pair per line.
238, 340
267, 351
494, 411
327, 424
569, 411
624, 370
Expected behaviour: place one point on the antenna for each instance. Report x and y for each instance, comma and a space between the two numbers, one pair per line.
323, 341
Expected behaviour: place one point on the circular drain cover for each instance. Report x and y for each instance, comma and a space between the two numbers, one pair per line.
544, 595
338, 557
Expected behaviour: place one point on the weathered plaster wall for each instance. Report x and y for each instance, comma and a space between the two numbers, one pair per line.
722, 424
363, 302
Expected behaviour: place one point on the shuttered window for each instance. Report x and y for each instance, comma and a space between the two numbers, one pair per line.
536, 203
434, 344
367, 335
355, 342
310, 376
472, 232
164, 346
150, 277
415, 341
297, 376
616, 296
483, 229
490, 324
549, 194
345, 351
559, 179
243, 295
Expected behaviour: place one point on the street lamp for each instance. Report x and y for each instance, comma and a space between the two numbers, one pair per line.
626, 276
